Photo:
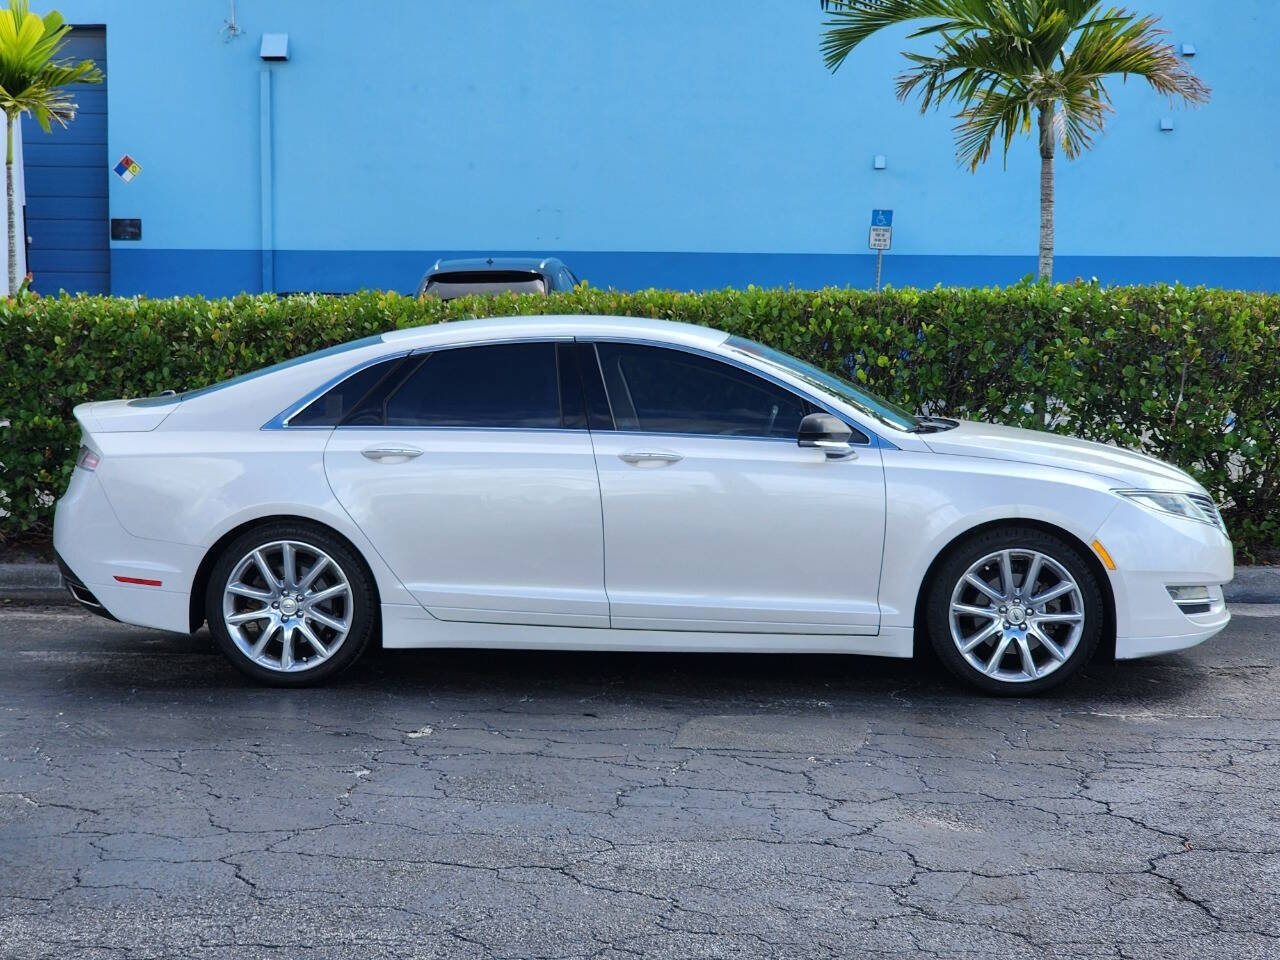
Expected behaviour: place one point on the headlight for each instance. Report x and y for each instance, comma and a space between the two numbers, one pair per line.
1187, 505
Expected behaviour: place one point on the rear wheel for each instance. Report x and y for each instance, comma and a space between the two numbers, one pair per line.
1015, 611
290, 604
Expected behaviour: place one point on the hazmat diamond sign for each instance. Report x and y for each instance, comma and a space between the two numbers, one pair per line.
127, 168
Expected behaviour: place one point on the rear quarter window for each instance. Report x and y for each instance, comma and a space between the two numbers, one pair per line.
328, 409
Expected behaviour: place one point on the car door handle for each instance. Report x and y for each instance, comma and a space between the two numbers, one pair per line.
650, 456
382, 454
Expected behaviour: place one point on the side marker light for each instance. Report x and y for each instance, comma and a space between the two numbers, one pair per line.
140, 581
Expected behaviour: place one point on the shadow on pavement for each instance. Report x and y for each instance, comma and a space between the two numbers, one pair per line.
130, 659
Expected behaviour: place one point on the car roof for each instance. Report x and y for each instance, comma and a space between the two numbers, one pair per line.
552, 325
496, 263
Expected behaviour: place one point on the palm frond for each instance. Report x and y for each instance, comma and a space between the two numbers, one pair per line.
1081, 117
32, 80
1002, 61
1135, 47
1001, 113
852, 21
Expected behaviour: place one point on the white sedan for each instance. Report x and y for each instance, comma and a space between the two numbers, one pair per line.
610, 483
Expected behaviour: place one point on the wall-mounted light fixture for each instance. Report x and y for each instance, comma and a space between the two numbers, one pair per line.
1187, 49
275, 47
1166, 124
880, 161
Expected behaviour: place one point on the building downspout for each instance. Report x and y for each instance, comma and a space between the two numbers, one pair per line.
266, 174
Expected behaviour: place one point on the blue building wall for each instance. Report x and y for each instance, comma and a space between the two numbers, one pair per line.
668, 143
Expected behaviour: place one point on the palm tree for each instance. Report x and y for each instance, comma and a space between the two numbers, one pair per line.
31, 81
1010, 64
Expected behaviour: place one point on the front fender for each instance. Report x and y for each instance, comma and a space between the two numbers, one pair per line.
933, 499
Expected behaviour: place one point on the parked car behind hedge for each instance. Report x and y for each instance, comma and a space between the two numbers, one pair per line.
1192, 376
451, 279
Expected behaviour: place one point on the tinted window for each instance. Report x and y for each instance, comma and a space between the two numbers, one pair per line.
448, 286
593, 388
573, 410
504, 385
657, 390
329, 408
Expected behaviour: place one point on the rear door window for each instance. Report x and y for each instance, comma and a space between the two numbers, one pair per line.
508, 385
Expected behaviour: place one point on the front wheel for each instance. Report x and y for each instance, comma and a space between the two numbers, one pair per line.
290, 604
1015, 611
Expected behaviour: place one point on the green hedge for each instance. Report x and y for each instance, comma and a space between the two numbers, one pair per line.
1189, 375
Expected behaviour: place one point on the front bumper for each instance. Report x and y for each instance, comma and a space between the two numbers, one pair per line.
1152, 553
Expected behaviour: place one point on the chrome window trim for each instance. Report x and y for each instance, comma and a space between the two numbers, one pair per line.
281, 420
577, 431
573, 430
544, 338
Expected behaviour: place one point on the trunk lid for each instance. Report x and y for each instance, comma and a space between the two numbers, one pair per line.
125, 416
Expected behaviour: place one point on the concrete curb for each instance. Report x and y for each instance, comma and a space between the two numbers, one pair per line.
42, 583
33, 583
1254, 585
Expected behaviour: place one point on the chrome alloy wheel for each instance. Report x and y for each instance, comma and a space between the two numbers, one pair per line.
287, 606
1017, 615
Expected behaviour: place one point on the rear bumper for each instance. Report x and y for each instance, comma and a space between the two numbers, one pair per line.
112, 572
80, 593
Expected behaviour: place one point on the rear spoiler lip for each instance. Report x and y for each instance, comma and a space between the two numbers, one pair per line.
121, 416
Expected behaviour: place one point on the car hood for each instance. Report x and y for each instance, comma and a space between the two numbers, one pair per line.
992, 441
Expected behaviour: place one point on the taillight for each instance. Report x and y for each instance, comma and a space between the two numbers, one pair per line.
87, 459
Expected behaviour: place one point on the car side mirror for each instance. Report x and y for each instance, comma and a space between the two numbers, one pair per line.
827, 433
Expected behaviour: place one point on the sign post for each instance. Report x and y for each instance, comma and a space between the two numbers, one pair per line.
881, 238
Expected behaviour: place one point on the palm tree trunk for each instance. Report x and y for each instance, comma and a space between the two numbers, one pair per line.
10, 213
1046, 191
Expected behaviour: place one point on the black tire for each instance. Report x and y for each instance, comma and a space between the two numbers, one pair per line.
363, 602
947, 578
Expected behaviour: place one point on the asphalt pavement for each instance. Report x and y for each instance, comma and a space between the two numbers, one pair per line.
537, 805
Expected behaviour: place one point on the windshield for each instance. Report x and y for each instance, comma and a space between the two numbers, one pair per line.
883, 410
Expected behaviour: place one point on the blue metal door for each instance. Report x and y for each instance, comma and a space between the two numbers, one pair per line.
66, 181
